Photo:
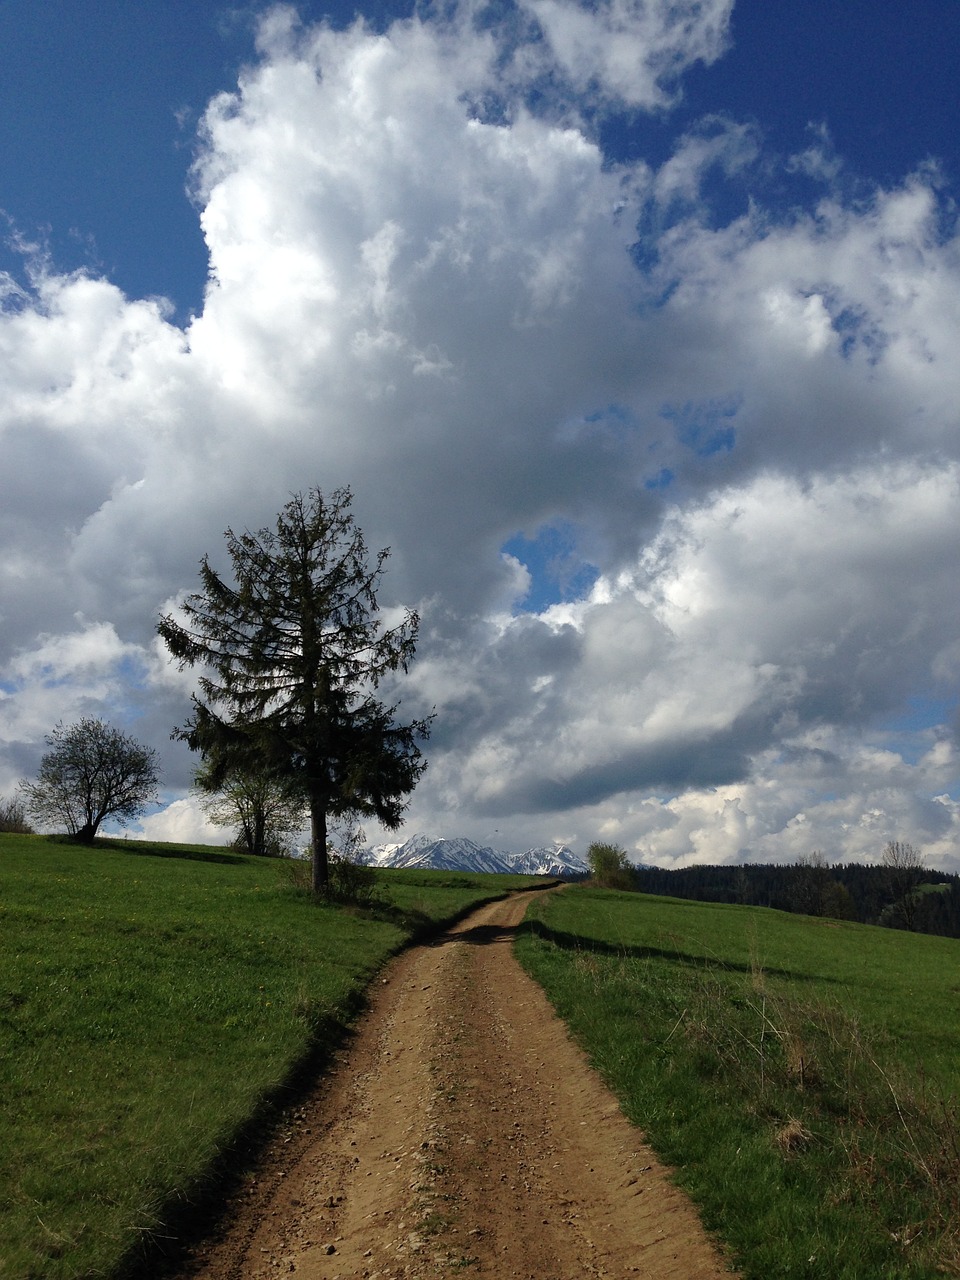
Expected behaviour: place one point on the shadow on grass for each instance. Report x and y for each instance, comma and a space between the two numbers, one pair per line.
190, 1215
482, 935
577, 942
152, 851
141, 849
422, 928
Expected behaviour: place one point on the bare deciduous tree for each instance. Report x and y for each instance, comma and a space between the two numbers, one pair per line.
262, 809
93, 772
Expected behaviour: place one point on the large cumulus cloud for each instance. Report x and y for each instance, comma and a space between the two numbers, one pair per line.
428, 281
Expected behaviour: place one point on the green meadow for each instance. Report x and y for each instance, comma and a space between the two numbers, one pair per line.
153, 999
802, 1075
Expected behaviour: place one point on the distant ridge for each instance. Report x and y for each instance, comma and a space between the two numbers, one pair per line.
460, 854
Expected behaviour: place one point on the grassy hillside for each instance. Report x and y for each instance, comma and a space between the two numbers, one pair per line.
151, 997
803, 1074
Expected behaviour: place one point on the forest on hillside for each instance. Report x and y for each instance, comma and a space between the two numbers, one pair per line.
846, 891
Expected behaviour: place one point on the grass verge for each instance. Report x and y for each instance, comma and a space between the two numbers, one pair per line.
153, 998
800, 1075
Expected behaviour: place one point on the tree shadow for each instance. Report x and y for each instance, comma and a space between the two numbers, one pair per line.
143, 849
694, 959
189, 1215
481, 935
138, 850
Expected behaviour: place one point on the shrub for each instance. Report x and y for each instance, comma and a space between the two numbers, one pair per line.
13, 818
353, 883
610, 867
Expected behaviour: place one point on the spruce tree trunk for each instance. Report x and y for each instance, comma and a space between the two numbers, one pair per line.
318, 835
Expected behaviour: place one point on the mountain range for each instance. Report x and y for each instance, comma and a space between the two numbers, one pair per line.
460, 854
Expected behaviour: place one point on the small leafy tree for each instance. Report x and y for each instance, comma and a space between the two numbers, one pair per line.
838, 904
92, 772
264, 810
351, 879
816, 892
293, 651
610, 868
904, 867
811, 886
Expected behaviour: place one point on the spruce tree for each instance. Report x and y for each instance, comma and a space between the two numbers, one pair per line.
292, 653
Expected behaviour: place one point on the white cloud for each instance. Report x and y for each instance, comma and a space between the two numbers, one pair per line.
716, 143
424, 282
62, 678
181, 822
632, 50
841, 796
766, 634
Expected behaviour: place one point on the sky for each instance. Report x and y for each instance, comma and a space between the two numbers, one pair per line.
632, 326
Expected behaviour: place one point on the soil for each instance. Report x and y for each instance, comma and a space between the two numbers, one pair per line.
461, 1132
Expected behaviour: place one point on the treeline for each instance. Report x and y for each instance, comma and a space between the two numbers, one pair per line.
851, 891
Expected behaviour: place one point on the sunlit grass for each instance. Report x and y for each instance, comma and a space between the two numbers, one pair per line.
151, 997
801, 1075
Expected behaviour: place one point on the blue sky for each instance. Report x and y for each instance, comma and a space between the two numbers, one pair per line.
99, 105
633, 327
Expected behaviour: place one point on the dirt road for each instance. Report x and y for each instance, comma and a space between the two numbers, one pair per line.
462, 1133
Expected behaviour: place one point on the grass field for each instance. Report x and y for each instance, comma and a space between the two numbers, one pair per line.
151, 999
801, 1074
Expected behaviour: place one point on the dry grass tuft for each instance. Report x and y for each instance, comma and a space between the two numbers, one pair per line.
793, 1136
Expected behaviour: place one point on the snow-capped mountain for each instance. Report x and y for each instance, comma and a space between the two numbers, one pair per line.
438, 855
558, 861
460, 854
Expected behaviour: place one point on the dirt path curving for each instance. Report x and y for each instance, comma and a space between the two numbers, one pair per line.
462, 1133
